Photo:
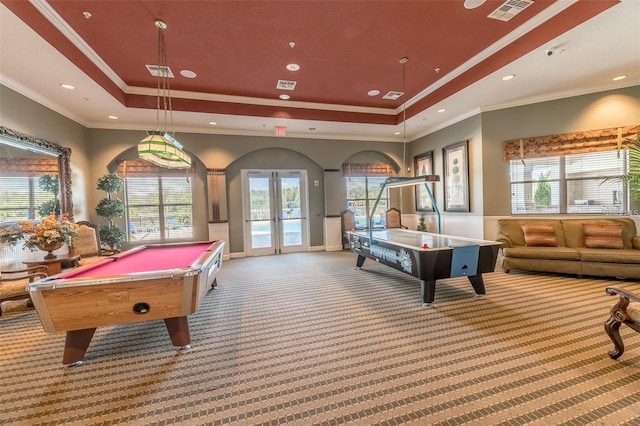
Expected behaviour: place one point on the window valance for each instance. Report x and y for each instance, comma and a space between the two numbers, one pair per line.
145, 168
370, 169
569, 143
28, 166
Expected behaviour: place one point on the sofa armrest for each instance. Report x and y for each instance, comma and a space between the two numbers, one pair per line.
506, 242
635, 242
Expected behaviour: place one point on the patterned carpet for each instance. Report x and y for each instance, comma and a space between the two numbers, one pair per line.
307, 339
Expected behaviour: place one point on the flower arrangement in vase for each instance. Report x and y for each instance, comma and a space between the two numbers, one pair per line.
49, 234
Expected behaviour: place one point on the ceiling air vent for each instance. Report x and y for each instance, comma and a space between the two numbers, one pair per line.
509, 9
286, 84
393, 95
157, 70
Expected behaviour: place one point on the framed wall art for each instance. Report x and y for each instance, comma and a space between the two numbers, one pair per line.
422, 166
456, 177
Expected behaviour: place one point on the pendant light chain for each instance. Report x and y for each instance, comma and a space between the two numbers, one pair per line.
164, 89
404, 61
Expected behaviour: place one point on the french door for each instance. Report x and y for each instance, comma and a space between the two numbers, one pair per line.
275, 211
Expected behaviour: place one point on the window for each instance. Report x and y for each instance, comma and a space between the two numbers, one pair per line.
158, 208
362, 193
571, 184
20, 197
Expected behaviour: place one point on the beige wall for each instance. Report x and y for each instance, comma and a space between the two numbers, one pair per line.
588, 112
94, 149
26, 116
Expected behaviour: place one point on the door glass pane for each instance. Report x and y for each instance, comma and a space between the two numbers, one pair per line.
291, 209
260, 212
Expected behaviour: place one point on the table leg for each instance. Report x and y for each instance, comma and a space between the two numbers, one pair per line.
427, 291
178, 329
478, 283
360, 261
76, 344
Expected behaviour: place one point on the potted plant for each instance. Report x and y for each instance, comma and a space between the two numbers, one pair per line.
111, 208
422, 227
48, 234
632, 178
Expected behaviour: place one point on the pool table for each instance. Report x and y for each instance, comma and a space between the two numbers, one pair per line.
429, 257
151, 282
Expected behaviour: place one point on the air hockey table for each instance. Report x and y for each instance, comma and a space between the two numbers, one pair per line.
427, 256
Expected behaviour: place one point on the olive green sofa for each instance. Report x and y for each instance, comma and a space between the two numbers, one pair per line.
603, 247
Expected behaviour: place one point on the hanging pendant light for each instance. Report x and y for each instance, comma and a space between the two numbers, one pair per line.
159, 147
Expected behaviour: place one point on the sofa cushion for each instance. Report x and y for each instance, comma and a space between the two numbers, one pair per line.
574, 233
539, 236
511, 234
610, 256
544, 253
602, 236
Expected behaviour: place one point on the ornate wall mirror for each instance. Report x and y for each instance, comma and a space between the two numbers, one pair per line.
24, 155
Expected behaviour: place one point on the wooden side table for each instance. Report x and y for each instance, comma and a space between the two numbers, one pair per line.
54, 265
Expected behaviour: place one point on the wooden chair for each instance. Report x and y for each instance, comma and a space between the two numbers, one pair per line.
13, 283
394, 218
348, 219
87, 244
626, 311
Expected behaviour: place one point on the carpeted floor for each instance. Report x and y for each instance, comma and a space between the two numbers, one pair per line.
308, 339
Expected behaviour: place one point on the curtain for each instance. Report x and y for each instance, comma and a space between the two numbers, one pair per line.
370, 169
28, 166
569, 143
217, 186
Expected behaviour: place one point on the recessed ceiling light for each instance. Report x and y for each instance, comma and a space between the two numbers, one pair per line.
67, 86
472, 4
113, 117
293, 67
620, 77
396, 133
284, 96
373, 92
87, 15
441, 110
508, 77
213, 123
188, 74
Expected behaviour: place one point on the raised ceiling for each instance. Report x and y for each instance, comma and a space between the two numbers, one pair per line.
238, 51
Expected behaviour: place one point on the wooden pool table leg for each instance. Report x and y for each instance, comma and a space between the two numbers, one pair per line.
427, 291
478, 283
178, 329
75, 346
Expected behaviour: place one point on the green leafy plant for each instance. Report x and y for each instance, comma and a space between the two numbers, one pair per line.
49, 183
542, 196
421, 226
111, 208
632, 178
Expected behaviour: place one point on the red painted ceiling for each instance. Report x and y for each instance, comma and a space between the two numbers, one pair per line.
344, 48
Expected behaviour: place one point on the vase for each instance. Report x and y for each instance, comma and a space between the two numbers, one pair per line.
50, 248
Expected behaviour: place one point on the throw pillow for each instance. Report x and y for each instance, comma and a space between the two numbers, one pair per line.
539, 236
602, 236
